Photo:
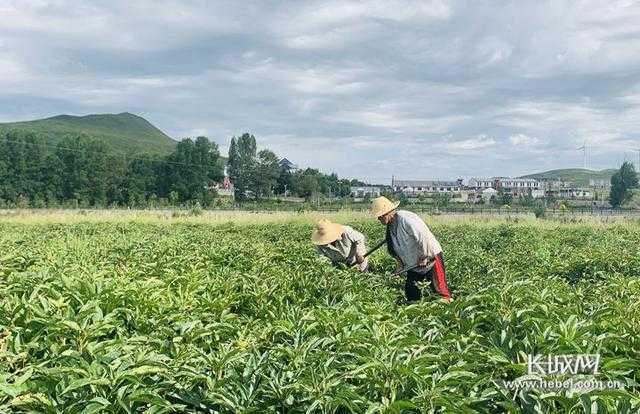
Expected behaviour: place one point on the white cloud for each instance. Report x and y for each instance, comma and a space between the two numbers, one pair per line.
439, 81
335, 24
471, 144
387, 117
522, 140
123, 25
13, 72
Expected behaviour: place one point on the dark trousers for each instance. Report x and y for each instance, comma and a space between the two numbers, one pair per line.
437, 281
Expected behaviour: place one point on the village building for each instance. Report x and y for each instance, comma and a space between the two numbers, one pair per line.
287, 165
371, 191
465, 196
415, 188
225, 188
517, 187
481, 183
488, 194
600, 183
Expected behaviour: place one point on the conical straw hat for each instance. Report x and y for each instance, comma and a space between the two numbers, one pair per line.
326, 232
382, 205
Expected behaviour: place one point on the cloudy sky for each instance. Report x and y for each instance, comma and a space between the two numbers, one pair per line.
418, 89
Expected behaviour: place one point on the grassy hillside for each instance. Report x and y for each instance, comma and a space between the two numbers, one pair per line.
125, 132
580, 176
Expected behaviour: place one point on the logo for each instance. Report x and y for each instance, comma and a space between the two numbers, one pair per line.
563, 364
570, 373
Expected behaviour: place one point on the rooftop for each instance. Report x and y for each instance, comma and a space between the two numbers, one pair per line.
424, 183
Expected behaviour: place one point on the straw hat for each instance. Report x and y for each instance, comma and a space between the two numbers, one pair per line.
382, 205
326, 232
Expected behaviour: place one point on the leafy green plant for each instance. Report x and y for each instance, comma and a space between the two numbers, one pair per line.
143, 317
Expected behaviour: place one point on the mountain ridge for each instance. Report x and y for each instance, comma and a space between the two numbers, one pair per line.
123, 132
579, 176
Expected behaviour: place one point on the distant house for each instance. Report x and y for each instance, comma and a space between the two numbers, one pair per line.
370, 191
517, 187
464, 196
287, 165
555, 183
414, 188
480, 183
601, 183
225, 188
487, 194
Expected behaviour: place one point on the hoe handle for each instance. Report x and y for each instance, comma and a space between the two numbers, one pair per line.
377, 246
405, 270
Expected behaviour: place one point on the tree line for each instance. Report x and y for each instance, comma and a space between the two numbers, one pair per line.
80, 171
259, 174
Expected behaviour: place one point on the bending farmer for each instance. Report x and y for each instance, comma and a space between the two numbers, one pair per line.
341, 244
411, 243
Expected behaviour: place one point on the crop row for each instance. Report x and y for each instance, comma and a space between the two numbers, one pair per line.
225, 318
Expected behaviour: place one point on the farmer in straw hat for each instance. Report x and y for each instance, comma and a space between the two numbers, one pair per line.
341, 244
411, 243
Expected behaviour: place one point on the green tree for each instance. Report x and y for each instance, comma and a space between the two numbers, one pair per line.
527, 200
503, 197
286, 182
97, 172
242, 161
141, 180
442, 200
622, 182
191, 170
52, 177
4, 169
337, 187
35, 152
71, 151
310, 182
267, 172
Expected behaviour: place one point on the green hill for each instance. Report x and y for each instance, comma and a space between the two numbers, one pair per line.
124, 132
579, 176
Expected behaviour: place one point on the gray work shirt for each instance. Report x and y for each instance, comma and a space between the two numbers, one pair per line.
412, 240
350, 244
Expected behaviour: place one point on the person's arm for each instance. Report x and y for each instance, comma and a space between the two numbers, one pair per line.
321, 256
357, 239
399, 265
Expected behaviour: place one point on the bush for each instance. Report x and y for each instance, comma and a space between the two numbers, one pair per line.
539, 211
196, 210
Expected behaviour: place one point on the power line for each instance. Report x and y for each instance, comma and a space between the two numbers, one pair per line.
113, 154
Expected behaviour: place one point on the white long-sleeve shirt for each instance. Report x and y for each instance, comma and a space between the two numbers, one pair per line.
345, 249
412, 240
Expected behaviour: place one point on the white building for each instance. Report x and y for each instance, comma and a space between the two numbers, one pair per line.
487, 194
464, 196
517, 187
601, 183
370, 191
480, 183
414, 188
581, 194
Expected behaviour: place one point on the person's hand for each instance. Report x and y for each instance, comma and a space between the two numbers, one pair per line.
359, 259
399, 266
423, 262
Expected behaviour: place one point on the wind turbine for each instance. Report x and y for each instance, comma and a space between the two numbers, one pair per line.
638, 150
584, 154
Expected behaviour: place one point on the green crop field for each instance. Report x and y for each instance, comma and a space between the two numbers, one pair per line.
195, 316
